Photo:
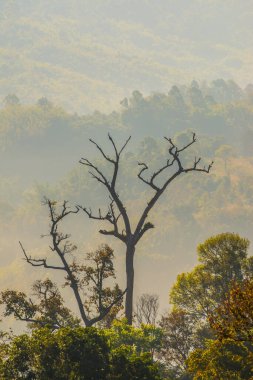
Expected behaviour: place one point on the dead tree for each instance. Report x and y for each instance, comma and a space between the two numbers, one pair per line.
88, 279
147, 307
117, 212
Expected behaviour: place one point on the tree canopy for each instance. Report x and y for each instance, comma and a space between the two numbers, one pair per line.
222, 260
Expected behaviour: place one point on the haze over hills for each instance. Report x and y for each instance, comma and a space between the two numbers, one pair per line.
78, 70
42, 143
87, 55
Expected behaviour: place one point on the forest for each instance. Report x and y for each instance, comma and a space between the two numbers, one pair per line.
126, 187
70, 320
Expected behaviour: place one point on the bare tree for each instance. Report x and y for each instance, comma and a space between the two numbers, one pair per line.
147, 307
117, 212
86, 281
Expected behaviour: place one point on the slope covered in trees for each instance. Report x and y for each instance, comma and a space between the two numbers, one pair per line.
48, 142
87, 55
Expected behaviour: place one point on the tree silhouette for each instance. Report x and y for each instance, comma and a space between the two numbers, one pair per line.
117, 212
90, 280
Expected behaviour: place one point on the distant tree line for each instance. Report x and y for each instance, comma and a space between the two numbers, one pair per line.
220, 108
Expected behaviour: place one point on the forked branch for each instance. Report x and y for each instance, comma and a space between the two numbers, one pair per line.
174, 153
110, 184
62, 247
38, 262
171, 169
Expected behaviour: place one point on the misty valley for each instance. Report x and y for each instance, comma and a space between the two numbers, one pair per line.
126, 188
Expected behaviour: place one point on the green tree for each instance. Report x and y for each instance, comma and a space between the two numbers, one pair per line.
177, 100
133, 350
46, 309
127, 365
222, 360
225, 152
222, 260
196, 294
196, 97
74, 354
146, 338
66, 354
11, 100
44, 103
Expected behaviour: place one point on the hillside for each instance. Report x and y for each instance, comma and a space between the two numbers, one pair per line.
41, 144
87, 55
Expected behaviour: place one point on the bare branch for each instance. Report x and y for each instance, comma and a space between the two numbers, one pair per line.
123, 147
175, 168
175, 153
195, 168
102, 178
36, 321
147, 226
147, 308
99, 217
190, 143
113, 233
109, 184
110, 217
38, 262
150, 182
154, 175
114, 146
167, 165
101, 150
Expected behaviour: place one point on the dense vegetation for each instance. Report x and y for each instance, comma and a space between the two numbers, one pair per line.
206, 335
208, 332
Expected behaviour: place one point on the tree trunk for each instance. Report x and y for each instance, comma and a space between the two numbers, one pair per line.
130, 284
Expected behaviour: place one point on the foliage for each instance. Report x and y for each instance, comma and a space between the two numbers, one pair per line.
222, 360
74, 353
47, 47
223, 259
233, 319
84, 280
47, 308
201, 206
66, 354
90, 278
146, 338
23, 121
179, 337
11, 100
126, 365
230, 356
